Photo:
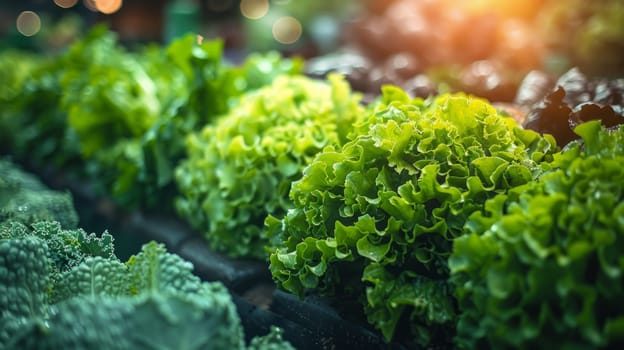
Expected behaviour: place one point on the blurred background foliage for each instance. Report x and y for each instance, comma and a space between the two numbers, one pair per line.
555, 34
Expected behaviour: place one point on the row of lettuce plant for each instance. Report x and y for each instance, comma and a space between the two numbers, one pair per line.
413, 213
119, 117
63, 288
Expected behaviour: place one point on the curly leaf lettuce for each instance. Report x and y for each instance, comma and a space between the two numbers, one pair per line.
202, 87
541, 264
240, 169
429, 299
386, 206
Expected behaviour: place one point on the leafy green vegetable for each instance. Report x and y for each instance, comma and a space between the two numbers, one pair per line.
208, 89
428, 299
111, 102
193, 85
106, 92
23, 198
15, 69
120, 117
541, 265
145, 322
23, 284
66, 289
32, 126
240, 169
386, 207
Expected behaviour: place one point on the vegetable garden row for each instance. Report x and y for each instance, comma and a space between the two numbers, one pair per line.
406, 222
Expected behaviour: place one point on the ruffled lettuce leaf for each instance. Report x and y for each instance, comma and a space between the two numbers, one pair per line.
541, 265
393, 199
240, 169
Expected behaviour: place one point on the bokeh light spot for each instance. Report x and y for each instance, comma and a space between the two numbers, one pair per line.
108, 6
287, 30
28, 23
65, 3
254, 9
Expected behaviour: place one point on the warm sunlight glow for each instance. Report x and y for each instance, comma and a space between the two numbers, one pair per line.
509, 8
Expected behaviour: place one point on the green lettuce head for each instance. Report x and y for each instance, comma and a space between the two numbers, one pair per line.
374, 220
240, 169
542, 266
